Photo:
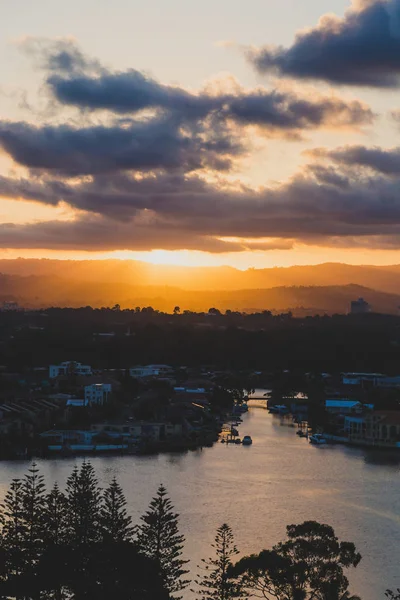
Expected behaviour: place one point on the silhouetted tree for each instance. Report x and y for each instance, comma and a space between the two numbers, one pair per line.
55, 517
32, 491
83, 506
13, 529
309, 565
115, 523
217, 583
159, 539
177, 310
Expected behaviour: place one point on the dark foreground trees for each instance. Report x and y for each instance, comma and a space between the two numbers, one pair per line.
76, 545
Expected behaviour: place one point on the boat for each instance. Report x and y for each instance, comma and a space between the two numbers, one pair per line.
278, 409
247, 441
318, 438
301, 433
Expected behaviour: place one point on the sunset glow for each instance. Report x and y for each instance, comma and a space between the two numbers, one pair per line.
238, 155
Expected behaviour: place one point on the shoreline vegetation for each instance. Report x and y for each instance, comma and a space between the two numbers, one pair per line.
80, 542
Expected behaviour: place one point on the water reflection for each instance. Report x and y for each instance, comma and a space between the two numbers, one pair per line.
258, 490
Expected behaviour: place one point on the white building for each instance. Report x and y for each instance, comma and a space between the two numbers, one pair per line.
97, 393
69, 367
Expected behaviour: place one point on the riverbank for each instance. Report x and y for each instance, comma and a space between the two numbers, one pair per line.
259, 489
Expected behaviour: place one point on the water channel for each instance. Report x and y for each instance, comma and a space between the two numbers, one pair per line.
259, 489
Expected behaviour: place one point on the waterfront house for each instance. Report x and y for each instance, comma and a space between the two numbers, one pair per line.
76, 440
355, 426
376, 427
383, 426
138, 430
344, 406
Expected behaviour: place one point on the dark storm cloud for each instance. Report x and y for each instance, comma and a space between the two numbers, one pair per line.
141, 146
363, 48
377, 159
132, 91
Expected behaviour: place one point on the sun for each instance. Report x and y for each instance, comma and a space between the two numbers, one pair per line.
178, 258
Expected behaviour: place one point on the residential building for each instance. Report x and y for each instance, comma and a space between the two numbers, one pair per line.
360, 378
377, 427
140, 372
139, 430
69, 367
81, 441
97, 393
372, 379
345, 406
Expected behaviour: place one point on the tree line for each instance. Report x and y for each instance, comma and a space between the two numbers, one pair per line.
357, 343
81, 544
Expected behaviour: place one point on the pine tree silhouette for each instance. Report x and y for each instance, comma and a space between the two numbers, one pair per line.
215, 583
83, 506
115, 523
160, 540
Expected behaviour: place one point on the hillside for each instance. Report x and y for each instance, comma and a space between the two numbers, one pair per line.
44, 291
129, 272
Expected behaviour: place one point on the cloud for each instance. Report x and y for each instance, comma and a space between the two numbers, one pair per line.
185, 212
385, 161
95, 234
158, 143
93, 88
362, 48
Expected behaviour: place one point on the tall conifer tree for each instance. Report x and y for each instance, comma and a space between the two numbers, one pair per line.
115, 523
33, 498
83, 506
13, 529
160, 540
55, 517
215, 583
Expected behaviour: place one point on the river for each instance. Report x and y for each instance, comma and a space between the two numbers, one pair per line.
280, 479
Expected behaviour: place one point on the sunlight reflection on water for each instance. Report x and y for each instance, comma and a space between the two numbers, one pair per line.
280, 479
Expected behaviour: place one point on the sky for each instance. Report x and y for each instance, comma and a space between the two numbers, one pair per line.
255, 133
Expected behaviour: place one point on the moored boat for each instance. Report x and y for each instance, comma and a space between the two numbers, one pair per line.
318, 438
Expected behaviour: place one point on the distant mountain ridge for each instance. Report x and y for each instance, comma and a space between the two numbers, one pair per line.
54, 290
382, 278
